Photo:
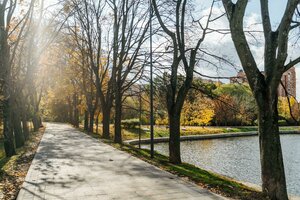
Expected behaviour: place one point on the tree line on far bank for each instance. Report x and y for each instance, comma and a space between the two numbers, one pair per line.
221, 105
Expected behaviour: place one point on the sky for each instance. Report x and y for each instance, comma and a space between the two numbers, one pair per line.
252, 21
276, 12
223, 45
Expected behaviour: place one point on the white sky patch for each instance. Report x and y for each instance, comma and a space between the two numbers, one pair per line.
222, 45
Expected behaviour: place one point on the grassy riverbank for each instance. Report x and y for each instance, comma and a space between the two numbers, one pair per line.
163, 131
160, 131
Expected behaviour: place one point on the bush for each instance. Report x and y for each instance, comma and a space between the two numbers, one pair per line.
130, 123
282, 122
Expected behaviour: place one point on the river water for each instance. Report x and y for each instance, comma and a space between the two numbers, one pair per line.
238, 158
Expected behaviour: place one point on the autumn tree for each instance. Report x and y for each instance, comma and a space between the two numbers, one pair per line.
80, 60
234, 105
264, 86
184, 60
198, 110
8, 47
288, 109
65, 96
130, 25
93, 21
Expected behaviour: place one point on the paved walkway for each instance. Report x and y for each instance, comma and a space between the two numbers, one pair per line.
72, 165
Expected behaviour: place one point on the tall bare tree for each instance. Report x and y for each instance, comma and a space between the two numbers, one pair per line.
86, 78
8, 49
90, 14
264, 86
185, 55
130, 27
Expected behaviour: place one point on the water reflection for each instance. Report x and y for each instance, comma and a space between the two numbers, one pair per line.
239, 158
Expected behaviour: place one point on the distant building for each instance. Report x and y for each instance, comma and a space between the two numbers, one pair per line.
209, 81
239, 78
288, 80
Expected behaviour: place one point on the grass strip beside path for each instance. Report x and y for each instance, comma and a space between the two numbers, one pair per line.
13, 170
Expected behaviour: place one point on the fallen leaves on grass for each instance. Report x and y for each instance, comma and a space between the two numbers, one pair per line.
13, 172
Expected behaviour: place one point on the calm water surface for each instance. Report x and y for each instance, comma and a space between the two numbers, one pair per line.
239, 158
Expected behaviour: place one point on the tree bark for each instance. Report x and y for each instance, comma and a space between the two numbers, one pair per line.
76, 111
91, 125
5, 68
264, 86
106, 122
24, 120
118, 118
9, 145
76, 117
70, 112
174, 141
19, 136
97, 124
272, 167
25, 128
86, 120
36, 122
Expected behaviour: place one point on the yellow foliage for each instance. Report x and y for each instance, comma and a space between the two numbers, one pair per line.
204, 117
162, 121
284, 109
199, 112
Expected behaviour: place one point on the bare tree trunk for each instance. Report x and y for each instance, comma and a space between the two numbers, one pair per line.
272, 168
76, 118
97, 123
9, 145
70, 112
25, 128
174, 141
19, 136
86, 120
40, 121
76, 111
91, 125
264, 86
106, 122
118, 118
24, 120
36, 122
